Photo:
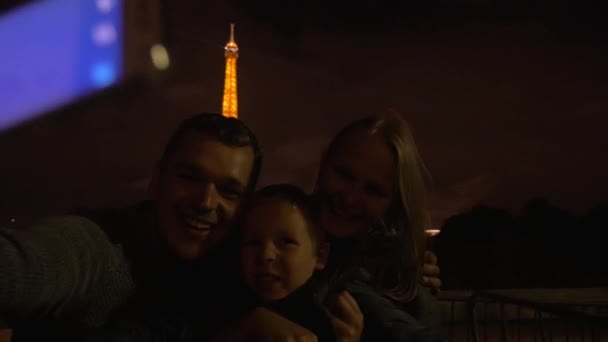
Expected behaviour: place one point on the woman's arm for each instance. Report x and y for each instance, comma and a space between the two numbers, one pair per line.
386, 320
430, 273
425, 308
345, 316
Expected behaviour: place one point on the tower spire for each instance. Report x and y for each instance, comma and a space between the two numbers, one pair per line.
232, 33
231, 52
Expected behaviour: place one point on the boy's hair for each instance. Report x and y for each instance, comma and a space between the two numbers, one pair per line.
229, 131
295, 196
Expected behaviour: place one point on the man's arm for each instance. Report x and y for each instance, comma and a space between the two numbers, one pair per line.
262, 324
60, 268
426, 309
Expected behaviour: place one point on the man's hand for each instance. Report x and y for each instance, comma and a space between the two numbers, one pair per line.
346, 317
430, 272
267, 326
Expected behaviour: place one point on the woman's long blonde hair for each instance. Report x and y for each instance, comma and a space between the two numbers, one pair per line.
395, 261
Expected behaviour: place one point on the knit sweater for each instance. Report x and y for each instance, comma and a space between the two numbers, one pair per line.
63, 276
58, 276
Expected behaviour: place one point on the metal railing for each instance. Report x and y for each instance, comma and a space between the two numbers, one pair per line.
526, 315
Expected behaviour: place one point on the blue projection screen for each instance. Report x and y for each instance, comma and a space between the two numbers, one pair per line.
55, 52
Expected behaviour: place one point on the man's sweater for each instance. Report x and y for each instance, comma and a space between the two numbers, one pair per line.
58, 276
65, 275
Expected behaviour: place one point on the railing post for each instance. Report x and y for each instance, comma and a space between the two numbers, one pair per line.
503, 327
452, 322
472, 334
568, 321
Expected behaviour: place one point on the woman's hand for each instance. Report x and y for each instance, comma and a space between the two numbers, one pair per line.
265, 325
346, 317
430, 272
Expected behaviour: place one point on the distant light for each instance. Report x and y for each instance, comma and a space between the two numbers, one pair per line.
103, 74
432, 232
105, 6
13, 220
104, 34
160, 56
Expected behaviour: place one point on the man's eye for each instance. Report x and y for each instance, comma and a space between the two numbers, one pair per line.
188, 176
230, 193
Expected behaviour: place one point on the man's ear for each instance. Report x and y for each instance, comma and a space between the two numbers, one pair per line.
154, 182
322, 255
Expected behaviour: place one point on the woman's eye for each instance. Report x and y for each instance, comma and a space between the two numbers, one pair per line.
375, 191
344, 173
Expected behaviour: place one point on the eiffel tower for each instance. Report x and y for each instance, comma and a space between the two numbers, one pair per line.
231, 52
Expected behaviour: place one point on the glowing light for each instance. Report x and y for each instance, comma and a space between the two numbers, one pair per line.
103, 74
105, 6
229, 102
432, 232
104, 34
160, 57
13, 220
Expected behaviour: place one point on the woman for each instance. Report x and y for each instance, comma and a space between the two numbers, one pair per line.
371, 187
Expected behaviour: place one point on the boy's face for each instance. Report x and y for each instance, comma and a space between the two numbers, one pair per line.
278, 254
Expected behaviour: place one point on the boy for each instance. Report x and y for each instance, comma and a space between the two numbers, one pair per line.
283, 254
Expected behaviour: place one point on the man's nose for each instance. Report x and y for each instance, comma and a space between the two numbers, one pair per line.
207, 197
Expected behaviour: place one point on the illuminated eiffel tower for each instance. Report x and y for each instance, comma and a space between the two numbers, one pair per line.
231, 52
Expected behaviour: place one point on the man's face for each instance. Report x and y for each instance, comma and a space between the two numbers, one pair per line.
278, 254
198, 192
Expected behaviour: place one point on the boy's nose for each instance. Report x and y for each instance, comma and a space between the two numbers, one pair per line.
267, 253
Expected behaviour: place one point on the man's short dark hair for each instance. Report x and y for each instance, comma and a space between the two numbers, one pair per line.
229, 131
295, 196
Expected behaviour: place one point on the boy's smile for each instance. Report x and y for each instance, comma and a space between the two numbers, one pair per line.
278, 254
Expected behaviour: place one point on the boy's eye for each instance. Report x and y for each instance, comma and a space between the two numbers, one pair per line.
289, 241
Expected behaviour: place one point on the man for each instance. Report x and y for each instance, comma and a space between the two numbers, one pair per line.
66, 274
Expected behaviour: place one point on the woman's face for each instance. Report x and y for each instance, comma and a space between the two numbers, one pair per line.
356, 184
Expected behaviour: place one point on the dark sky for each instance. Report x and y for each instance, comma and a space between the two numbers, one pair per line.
507, 100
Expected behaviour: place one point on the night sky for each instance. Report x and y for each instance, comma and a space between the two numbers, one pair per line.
507, 100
